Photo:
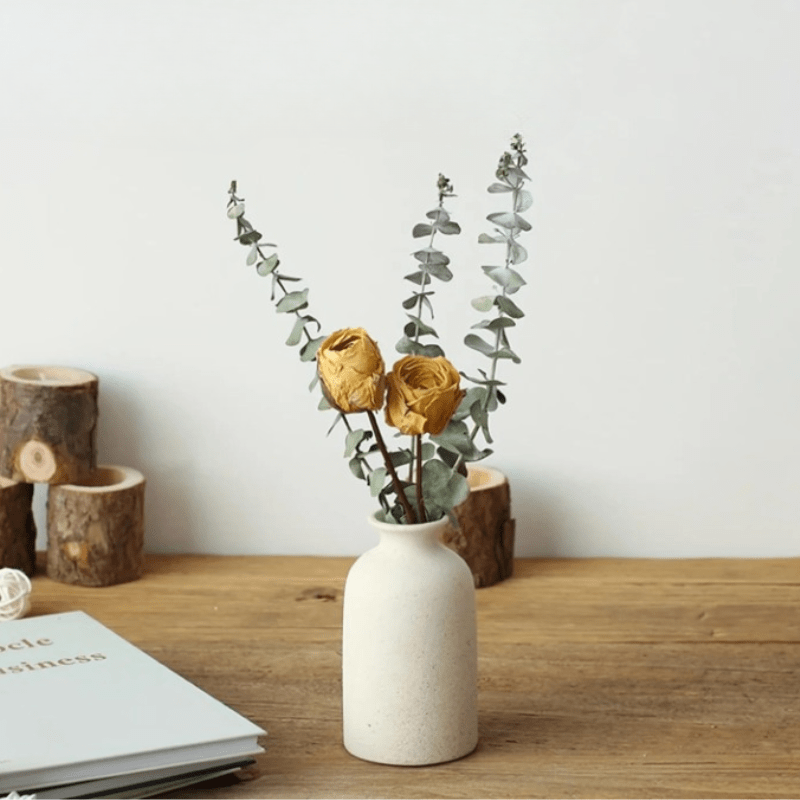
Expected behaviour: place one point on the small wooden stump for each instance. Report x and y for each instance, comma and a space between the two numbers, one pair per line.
485, 537
95, 530
17, 527
48, 417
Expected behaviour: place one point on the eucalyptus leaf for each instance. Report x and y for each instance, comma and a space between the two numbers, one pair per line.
476, 343
314, 382
506, 277
448, 228
297, 331
438, 215
268, 265
420, 278
440, 271
292, 301
422, 229
400, 457
406, 346
352, 440
419, 327
473, 395
410, 302
518, 172
455, 436
500, 396
448, 456
480, 417
483, 304
309, 349
443, 489
236, 210
376, 480
498, 188
430, 351
494, 324
518, 253
430, 255
508, 306
507, 352
252, 256
486, 238
356, 467
249, 237
524, 200
509, 219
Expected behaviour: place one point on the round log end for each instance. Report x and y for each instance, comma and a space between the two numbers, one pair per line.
37, 462
95, 529
47, 376
48, 417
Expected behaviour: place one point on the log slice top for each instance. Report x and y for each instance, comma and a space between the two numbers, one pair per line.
106, 479
484, 477
47, 376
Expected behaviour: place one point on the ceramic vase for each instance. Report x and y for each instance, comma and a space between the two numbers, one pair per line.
409, 650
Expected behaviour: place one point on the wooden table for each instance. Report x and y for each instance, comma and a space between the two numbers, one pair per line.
598, 678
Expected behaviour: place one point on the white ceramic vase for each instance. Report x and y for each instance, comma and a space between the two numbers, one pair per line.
409, 650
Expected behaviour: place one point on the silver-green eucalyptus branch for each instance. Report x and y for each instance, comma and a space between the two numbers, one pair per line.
266, 264
264, 257
432, 263
457, 442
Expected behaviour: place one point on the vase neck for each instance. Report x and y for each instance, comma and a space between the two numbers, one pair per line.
419, 535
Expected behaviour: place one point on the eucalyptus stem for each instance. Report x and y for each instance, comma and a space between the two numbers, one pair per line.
398, 486
420, 501
426, 280
244, 227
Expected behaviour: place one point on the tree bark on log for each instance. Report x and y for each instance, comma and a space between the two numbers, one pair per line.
17, 526
95, 531
48, 417
485, 536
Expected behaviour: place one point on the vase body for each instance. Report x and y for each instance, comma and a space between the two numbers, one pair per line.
409, 650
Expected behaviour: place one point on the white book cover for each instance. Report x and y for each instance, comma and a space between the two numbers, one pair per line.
79, 702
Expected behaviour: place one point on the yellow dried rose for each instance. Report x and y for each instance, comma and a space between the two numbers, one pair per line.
423, 393
351, 371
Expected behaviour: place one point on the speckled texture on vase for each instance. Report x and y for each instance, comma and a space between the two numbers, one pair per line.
409, 650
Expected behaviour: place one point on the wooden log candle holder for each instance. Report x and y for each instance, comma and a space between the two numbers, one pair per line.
17, 526
48, 417
485, 536
95, 530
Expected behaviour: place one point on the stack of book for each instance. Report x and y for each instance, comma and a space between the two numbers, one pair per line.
87, 714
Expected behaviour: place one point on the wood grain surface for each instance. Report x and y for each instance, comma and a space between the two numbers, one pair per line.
597, 678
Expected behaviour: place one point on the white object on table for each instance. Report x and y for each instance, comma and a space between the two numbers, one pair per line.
15, 594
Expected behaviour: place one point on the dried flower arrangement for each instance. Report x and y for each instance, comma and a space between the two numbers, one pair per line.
421, 396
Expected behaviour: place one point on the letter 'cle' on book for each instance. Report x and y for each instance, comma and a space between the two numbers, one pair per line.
80, 703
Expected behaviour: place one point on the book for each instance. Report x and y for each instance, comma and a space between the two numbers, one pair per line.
80, 703
139, 784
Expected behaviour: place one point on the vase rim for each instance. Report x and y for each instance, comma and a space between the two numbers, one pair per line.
417, 527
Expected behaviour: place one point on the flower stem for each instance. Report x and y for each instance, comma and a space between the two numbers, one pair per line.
398, 487
420, 502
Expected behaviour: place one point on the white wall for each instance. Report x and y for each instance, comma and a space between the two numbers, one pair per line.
656, 409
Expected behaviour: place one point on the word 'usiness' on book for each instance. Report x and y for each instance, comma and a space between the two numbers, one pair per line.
27, 666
